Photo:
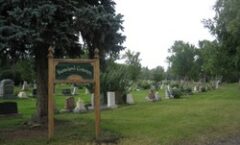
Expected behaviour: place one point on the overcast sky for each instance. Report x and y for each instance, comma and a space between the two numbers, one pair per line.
152, 26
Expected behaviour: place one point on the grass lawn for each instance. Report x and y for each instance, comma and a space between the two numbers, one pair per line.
190, 120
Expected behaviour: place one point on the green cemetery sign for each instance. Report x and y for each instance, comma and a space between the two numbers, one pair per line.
65, 70
73, 71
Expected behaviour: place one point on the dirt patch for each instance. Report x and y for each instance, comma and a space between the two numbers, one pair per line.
230, 140
24, 133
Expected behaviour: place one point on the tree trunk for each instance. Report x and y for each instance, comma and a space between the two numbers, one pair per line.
42, 83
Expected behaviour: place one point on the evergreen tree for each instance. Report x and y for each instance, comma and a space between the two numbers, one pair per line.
29, 27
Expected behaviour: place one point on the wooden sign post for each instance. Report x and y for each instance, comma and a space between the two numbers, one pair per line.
73, 71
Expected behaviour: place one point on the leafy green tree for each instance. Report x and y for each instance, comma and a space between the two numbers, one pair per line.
183, 56
158, 74
209, 58
226, 27
134, 64
115, 78
145, 73
28, 28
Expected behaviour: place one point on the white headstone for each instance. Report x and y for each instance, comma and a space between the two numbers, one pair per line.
217, 84
157, 96
111, 100
162, 86
92, 100
166, 94
80, 107
195, 89
130, 99
86, 91
74, 90
34, 85
22, 94
24, 87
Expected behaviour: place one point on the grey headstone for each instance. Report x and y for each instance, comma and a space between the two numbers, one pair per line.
7, 89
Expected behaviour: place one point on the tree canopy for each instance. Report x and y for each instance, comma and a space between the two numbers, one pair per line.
29, 27
226, 27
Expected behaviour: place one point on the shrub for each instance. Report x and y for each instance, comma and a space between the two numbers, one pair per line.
203, 89
175, 85
115, 79
144, 85
11, 74
188, 90
176, 93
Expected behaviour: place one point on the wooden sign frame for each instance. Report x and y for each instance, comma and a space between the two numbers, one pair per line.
52, 63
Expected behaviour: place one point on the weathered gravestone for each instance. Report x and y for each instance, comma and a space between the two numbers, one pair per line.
80, 107
8, 108
22, 95
7, 89
69, 104
24, 86
130, 99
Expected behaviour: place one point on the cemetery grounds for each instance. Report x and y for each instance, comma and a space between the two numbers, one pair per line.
206, 118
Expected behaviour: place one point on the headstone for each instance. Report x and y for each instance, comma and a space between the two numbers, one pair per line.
217, 84
69, 104
86, 91
162, 86
8, 108
24, 86
66, 92
92, 100
130, 99
80, 107
166, 94
22, 95
7, 89
34, 92
157, 96
111, 100
151, 95
195, 89
74, 90
34, 85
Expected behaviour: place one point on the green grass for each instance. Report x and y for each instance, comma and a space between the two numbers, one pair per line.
189, 120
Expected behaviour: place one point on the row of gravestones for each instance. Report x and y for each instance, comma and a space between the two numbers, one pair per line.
79, 106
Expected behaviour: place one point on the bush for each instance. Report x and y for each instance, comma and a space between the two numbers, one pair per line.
115, 79
203, 89
144, 85
176, 93
11, 74
188, 90
175, 85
